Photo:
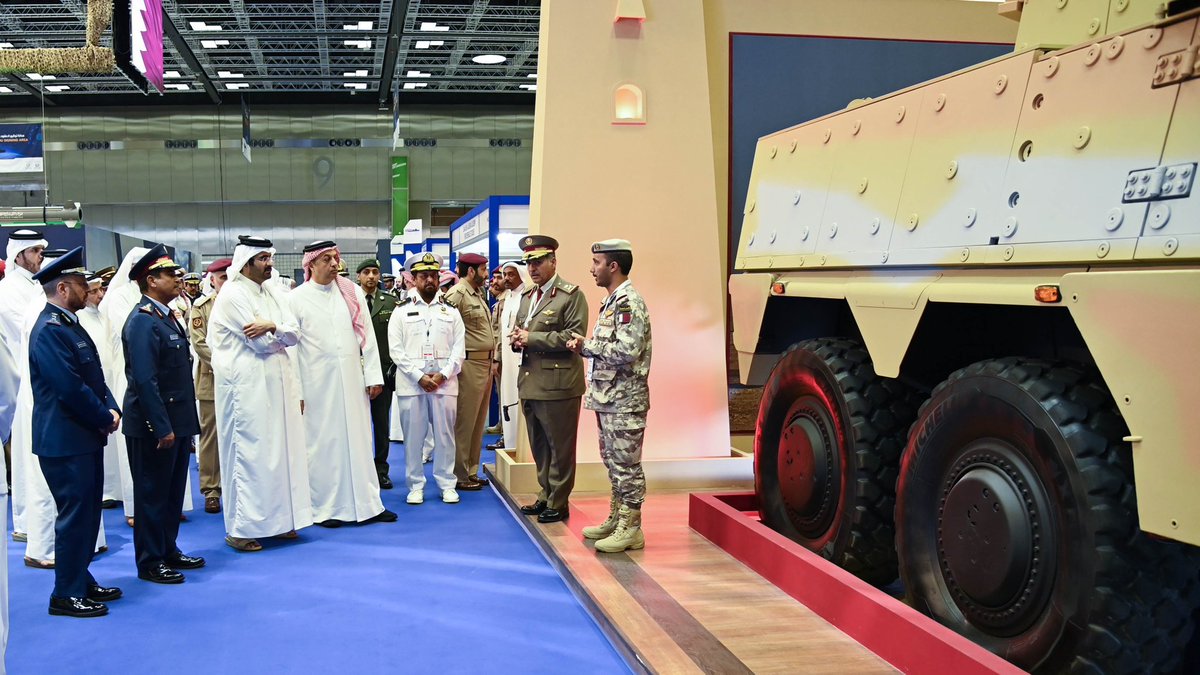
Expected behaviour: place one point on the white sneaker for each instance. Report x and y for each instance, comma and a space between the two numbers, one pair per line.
415, 497
450, 496
427, 459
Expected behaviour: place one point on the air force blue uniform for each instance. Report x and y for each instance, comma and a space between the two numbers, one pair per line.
72, 410
160, 400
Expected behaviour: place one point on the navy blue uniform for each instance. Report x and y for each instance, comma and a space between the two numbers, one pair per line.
160, 400
72, 410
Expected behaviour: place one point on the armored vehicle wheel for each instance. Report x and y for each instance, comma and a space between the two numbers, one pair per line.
1018, 525
826, 454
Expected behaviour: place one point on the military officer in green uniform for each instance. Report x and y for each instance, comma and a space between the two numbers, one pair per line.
381, 304
618, 392
550, 385
207, 455
475, 379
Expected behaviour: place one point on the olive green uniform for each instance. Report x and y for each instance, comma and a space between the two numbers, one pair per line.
475, 379
206, 454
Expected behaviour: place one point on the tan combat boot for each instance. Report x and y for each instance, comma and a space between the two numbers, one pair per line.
606, 528
627, 535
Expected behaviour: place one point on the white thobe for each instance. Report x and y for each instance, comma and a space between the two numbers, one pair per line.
334, 374
510, 367
18, 292
260, 431
9, 382
427, 339
90, 319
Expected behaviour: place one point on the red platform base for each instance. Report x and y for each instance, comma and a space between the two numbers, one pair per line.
897, 633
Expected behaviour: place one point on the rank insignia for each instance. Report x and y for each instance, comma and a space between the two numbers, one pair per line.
197, 322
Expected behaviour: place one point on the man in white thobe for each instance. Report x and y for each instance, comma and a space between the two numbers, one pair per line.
19, 295
517, 280
92, 322
260, 427
9, 381
427, 341
338, 359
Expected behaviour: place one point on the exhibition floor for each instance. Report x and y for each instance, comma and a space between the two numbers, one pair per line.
446, 589
683, 605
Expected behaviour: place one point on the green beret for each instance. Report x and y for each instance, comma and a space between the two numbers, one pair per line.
366, 264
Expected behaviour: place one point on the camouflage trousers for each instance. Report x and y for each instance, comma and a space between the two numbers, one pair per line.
621, 450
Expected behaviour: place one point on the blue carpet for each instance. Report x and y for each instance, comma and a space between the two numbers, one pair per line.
449, 588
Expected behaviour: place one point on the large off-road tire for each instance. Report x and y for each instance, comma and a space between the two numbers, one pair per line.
826, 452
1018, 525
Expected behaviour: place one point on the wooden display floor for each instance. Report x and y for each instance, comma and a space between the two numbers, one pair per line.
683, 605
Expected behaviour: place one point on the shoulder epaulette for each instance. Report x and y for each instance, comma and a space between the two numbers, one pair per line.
400, 302
53, 320
147, 308
566, 287
203, 299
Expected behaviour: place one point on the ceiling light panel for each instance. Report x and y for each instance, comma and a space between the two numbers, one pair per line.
201, 26
433, 27
426, 44
489, 59
214, 44
361, 25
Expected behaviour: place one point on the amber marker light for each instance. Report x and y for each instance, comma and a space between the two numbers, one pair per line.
777, 288
1047, 293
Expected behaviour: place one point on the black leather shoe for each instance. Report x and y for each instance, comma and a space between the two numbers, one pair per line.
534, 509
495, 446
161, 574
385, 483
180, 561
553, 515
482, 482
468, 486
331, 523
97, 593
81, 608
109, 504
385, 517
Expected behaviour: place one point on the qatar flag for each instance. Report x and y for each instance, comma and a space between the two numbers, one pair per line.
145, 20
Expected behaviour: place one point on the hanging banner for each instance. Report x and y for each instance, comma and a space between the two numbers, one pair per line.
245, 129
399, 195
20, 148
146, 40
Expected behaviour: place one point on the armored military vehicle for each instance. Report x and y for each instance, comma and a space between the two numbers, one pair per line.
974, 307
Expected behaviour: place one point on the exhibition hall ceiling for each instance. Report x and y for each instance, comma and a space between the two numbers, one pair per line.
278, 51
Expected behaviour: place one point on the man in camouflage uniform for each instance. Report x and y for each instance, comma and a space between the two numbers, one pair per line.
618, 392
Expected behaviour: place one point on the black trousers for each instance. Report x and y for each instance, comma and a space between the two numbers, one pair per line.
159, 479
381, 421
77, 483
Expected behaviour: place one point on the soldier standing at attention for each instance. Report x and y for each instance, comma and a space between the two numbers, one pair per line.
381, 305
618, 392
475, 380
551, 381
206, 454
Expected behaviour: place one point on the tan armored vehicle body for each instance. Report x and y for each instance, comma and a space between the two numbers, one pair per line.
975, 308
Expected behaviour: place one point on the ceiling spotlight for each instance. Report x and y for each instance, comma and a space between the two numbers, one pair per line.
415, 85
228, 75
355, 85
489, 59
177, 87
361, 25
528, 87
57, 87
355, 73
361, 44
432, 27
213, 44
416, 73
236, 85
200, 25
426, 44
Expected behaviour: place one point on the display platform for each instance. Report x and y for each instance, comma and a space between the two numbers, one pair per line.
902, 636
682, 605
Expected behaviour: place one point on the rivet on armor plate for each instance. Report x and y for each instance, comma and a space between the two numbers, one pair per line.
796, 197
1103, 249
1153, 37
856, 127
1114, 47
792, 147
750, 207
1115, 217
1171, 246
826, 136
970, 219
884, 257
1092, 55
874, 226
939, 102
1050, 67
832, 230
964, 254
1001, 84
900, 114
911, 221
1082, 136
804, 234
1121, 5
1010, 226
1094, 26
1159, 215
952, 169
1008, 252
774, 151
773, 236
862, 185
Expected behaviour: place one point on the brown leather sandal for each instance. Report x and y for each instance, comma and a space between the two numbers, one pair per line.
243, 545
